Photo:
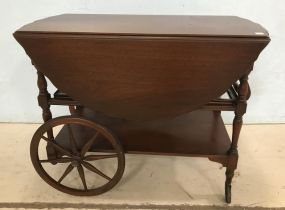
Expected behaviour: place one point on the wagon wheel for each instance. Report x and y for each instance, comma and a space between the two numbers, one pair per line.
80, 158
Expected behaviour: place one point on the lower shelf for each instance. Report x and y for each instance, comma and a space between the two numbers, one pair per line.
199, 133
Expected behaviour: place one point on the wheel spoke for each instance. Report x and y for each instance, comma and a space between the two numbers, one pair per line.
95, 170
58, 147
66, 172
88, 145
82, 176
58, 160
99, 157
72, 140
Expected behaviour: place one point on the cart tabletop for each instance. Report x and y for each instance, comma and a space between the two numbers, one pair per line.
156, 25
143, 67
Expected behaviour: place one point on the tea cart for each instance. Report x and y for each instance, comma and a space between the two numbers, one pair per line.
141, 84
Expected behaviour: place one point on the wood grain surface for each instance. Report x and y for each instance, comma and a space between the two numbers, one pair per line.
149, 25
142, 77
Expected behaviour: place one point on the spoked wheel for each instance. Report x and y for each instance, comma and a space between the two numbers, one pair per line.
76, 169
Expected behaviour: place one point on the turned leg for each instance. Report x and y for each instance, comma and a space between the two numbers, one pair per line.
43, 99
241, 104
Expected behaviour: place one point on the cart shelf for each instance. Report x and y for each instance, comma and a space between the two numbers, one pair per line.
199, 133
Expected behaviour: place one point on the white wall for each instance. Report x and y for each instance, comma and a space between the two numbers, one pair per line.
18, 79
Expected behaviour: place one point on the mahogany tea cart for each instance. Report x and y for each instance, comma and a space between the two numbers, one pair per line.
137, 84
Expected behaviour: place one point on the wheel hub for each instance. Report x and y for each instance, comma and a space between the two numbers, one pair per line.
76, 161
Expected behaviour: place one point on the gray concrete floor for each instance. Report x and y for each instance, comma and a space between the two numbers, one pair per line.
155, 182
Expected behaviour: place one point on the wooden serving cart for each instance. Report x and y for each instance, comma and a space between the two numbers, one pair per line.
138, 84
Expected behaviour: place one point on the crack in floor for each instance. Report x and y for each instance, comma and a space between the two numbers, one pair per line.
69, 206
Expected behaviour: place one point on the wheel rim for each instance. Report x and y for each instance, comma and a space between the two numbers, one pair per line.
77, 158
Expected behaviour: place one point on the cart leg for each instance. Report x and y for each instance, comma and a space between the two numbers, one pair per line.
43, 101
231, 166
243, 95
